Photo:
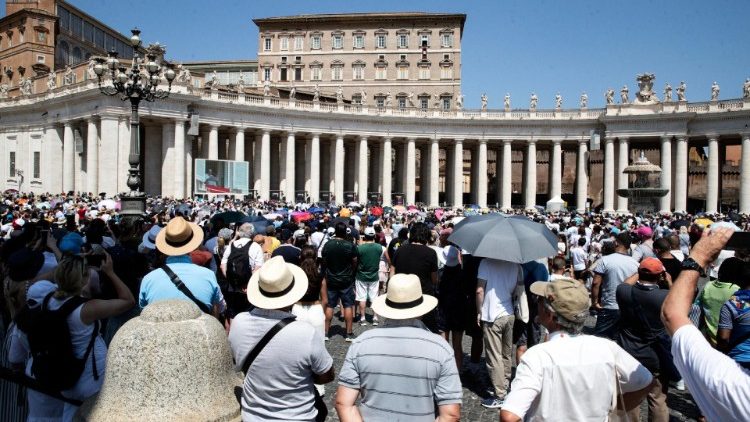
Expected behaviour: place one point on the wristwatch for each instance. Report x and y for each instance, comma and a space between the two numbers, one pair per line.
690, 264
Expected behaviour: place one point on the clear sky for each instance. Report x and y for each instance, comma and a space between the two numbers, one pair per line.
516, 46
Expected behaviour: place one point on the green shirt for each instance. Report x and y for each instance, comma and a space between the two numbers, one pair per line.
337, 255
369, 261
711, 299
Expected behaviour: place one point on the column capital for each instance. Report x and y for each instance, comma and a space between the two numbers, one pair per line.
583, 140
458, 140
482, 141
666, 138
315, 135
385, 139
682, 137
362, 137
714, 136
92, 119
623, 139
236, 129
530, 141
745, 135
556, 141
507, 141
214, 126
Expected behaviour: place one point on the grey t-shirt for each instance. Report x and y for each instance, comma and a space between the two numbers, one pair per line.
614, 269
278, 386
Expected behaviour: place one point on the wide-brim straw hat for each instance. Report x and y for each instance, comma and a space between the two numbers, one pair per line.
277, 285
180, 237
404, 299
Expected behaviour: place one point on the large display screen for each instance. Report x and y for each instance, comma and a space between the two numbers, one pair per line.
221, 177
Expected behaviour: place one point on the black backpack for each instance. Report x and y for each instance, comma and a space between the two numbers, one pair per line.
238, 266
54, 363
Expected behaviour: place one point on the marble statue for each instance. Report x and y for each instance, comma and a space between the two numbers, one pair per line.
4, 90
241, 84
51, 81
90, 74
624, 95
388, 99
584, 100
506, 101
681, 91
459, 100
610, 96
533, 101
316, 93
715, 91
214, 80
266, 88
363, 102
25, 85
667, 93
293, 92
339, 95
558, 101
746, 88
69, 78
184, 75
484, 102
645, 94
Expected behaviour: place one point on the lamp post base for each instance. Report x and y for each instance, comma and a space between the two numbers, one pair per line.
133, 205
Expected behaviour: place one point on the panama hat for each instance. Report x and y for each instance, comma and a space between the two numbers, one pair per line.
149, 238
179, 237
276, 285
404, 299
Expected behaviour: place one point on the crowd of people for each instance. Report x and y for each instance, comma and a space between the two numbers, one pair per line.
669, 299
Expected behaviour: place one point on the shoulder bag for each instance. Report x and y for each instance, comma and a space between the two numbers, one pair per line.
183, 288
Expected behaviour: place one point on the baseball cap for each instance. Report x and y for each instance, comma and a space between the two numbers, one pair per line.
331, 230
299, 234
369, 231
651, 266
345, 212
645, 232
569, 298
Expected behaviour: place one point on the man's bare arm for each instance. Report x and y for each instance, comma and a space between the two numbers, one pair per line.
345, 404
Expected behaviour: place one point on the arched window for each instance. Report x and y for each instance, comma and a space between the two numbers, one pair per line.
77, 56
62, 54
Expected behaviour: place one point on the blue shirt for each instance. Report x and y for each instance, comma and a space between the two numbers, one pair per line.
201, 282
735, 316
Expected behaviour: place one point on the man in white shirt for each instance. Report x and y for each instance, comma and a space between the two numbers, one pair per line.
255, 253
572, 377
496, 282
718, 384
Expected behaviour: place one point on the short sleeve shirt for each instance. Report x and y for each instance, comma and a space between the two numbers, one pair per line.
369, 262
338, 255
502, 278
735, 316
614, 269
201, 282
417, 259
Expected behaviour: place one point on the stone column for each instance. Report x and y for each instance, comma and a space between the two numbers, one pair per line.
52, 155
257, 162
69, 154
123, 150
385, 153
681, 174
213, 143
290, 168
239, 144
332, 167
179, 159
152, 160
623, 155
745, 175
582, 180
411, 170
314, 168
482, 174
712, 174
189, 141
362, 170
555, 201
665, 178
167, 158
265, 165
338, 181
108, 155
609, 175
307, 167
530, 188
458, 173
434, 176
92, 156
507, 175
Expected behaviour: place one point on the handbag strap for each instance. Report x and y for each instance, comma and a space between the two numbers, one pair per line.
263, 342
184, 289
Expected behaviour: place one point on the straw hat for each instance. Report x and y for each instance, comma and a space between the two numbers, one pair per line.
404, 299
276, 285
179, 237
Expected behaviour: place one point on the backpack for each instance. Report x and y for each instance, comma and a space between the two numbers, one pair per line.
238, 266
54, 362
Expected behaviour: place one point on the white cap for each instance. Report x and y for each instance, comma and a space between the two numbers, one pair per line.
369, 231
299, 233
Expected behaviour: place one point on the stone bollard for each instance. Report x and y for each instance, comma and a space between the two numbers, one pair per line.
172, 363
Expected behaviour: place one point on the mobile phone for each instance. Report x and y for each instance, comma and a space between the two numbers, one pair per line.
95, 260
739, 240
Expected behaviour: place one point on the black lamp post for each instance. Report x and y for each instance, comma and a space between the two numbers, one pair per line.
135, 84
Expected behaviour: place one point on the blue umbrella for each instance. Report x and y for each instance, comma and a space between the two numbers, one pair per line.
258, 222
315, 210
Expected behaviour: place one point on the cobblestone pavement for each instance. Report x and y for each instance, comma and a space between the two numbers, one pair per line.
682, 407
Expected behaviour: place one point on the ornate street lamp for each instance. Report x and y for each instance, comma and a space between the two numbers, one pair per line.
138, 83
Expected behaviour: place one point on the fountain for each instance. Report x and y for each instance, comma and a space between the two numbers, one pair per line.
643, 197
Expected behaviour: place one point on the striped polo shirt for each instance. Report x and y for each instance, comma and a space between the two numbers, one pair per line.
402, 371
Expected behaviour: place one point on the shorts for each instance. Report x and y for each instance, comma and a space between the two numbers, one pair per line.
365, 290
345, 295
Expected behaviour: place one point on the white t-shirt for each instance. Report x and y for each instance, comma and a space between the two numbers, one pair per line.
572, 378
254, 253
719, 385
502, 278
578, 256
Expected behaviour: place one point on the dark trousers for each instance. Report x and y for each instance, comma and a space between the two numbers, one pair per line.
607, 321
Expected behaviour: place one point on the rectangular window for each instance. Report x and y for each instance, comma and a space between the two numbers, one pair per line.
359, 72
316, 74
99, 35
401, 102
282, 77
64, 17
41, 37
425, 40
37, 164
266, 44
298, 74
76, 25
88, 32
110, 42
446, 73
299, 43
338, 41
316, 42
424, 102
337, 73
359, 41
403, 41
267, 74
380, 73
12, 164
403, 73
424, 73
380, 41
446, 103
447, 40
284, 43
357, 98
380, 102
